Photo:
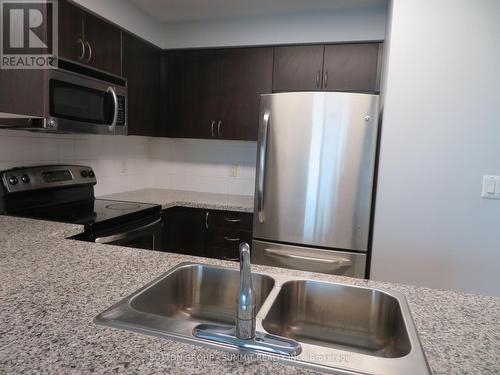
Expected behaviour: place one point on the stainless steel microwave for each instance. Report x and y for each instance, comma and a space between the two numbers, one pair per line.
85, 101
78, 99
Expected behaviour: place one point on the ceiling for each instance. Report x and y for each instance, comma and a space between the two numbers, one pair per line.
183, 10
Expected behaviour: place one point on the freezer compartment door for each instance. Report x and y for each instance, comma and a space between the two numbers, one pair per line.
315, 166
309, 259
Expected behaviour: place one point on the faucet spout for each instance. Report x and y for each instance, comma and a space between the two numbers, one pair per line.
245, 318
243, 335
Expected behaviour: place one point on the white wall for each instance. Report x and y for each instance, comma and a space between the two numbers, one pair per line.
356, 24
305, 27
441, 133
120, 163
204, 165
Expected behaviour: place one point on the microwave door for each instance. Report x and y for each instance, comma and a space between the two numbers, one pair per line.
78, 104
76, 108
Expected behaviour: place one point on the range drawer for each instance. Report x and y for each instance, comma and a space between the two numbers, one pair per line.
230, 219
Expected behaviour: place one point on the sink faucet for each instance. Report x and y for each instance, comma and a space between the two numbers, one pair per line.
243, 335
245, 317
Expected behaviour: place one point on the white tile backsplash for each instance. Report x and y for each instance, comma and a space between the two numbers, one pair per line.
130, 163
203, 165
120, 163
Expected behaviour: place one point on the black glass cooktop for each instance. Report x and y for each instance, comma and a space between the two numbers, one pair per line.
93, 212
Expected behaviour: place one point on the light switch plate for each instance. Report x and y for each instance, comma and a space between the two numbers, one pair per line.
234, 170
491, 187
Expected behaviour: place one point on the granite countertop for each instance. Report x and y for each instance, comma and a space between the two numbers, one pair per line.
52, 288
170, 198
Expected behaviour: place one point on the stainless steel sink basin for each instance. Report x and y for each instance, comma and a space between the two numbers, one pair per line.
339, 316
199, 293
341, 328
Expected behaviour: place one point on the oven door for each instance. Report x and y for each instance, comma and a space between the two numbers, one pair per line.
81, 104
145, 235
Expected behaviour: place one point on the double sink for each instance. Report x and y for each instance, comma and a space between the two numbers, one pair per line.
341, 328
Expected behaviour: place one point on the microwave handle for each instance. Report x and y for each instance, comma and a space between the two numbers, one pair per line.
115, 115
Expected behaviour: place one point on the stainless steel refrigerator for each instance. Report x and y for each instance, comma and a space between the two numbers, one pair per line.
314, 181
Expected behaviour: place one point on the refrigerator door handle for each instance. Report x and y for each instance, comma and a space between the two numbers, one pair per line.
262, 165
340, 262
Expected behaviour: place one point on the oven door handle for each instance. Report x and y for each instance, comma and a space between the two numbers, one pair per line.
115, 104
125, 235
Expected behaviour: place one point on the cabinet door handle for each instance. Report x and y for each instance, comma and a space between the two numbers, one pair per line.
231, 239
218, 128
212, 129
229, 220
231, 259
206, 219
90, 52
325, 79
82, 46
318, 76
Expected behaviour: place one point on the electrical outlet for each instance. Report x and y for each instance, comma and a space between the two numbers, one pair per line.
491, 187
234, 171
123, 166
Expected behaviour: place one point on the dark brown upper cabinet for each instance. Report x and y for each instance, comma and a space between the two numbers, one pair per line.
71, 43
244, 74
88, 39
103, 41
215, 93
22, 92
191, 93
334, 67
141, 67
298, 68
351, 67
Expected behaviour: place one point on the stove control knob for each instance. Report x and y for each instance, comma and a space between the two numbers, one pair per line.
84, 173
25, 178
91, 174
13, 180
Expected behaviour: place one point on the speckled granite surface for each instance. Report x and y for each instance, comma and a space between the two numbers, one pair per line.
52, 288
170, 198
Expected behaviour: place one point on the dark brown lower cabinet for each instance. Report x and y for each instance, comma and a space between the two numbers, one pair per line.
223, 243
184, 231
208, 233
